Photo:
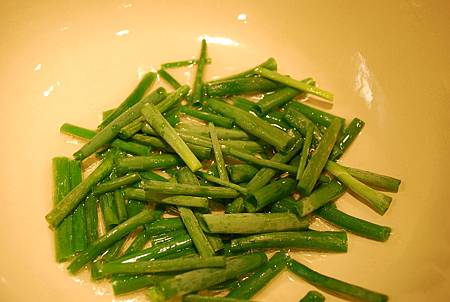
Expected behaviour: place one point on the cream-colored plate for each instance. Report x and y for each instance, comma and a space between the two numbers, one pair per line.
387, 62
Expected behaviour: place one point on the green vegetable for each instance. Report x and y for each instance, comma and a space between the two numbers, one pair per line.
196, 95
317, 116
221, 168
305, 240
236, 206
76, 195
162, 127
198, 298
221, 182
158, 266
270, 193
319, 159
123, 284
110, 238
91, 218
255, 126
241, 172
322, 195
203, 246
335, 286
266, 174
116, 183
131, 147
184, 63
376, 200
250, 286
209, 117
270, 63
348, 136
377, 181
110, 131
313, 296
142, 163
196, 280
77, 131
354, 225
252, 223
168, 78
186, 201
185, 189
147, 80
300, 85
280, 97
109, 211
62, 185
240, 86
222, 133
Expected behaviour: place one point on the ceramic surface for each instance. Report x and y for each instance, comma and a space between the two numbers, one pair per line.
386, 61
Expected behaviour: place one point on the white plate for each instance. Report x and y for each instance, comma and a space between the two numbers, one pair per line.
386, 61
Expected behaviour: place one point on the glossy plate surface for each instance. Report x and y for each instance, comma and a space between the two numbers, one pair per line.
388, 63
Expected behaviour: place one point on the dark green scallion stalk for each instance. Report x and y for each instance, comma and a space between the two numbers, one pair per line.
252, 223
348, 136
75, 196
209, 117
110, 238
221, 168
109, 211
313, 296
120, 205
142, 163
240, 86
236, 206
255, 126
106, 113
288, 205
377, 181
204, 248
186, 201
198, 298
162, 127
138, 243
165, 237
317, 116
222, 133
376, 200
117, 183
240, 173
196, 280
300, 85
270, 193
306, 127
276, 118
164, 225
63, 232
270, 63
306, 240
123, 284
324, 194
77, 131
79, 233
196, 95
169, 78
259, 161
354, 225
319, 159
131, 147
162, 266
91, 218
185, 189
266, 174
280, 97
110, 131
172, 116
260, 278
244, 104
112, 253
184, 63
221, 182
158, 251
136, 95
132, 128
335, 286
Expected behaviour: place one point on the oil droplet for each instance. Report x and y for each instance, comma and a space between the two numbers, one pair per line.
38, 67
48, 91
362, 80
242, 17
